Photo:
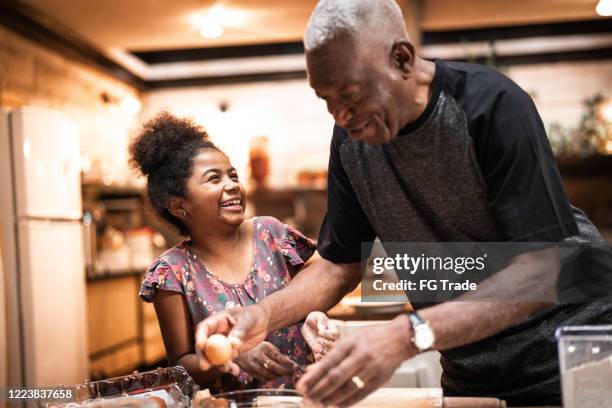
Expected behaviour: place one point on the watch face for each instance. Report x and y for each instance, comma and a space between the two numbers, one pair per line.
423, 338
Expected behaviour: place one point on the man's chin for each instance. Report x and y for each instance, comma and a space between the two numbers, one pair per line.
375, 141
378, 138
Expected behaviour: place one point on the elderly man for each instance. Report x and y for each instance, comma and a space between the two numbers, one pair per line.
423, 151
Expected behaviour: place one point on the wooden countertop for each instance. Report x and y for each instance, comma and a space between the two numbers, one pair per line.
348, 312
424, 398
351, 308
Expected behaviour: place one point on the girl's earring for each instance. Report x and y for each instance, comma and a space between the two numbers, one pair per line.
184, 213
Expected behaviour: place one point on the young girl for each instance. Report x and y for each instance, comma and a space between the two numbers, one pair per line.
227, 261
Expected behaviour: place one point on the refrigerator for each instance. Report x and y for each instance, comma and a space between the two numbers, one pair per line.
42, 248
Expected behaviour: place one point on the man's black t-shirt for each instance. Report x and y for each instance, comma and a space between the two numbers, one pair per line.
475, 166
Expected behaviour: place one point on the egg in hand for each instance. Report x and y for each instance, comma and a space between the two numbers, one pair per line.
218, 349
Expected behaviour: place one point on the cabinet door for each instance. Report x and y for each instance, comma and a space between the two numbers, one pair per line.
113, 317
154, 350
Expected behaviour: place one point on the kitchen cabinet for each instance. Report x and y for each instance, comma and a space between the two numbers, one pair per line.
153, 344
124, 333
113, 320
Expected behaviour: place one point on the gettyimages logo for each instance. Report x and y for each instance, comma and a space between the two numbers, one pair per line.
433, 272
411, 264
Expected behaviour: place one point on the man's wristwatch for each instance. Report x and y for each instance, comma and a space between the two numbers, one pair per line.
423, 337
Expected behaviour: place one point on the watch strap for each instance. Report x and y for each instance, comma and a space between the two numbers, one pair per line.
415, 319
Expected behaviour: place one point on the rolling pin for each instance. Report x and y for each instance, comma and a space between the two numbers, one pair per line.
447, 402
424, 398
469, 402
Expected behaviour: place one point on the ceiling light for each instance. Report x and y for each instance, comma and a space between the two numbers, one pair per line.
227, 16
210, 29
211, 23
604, 8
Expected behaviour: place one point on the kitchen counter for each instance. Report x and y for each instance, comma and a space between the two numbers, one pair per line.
351, 308
343, 311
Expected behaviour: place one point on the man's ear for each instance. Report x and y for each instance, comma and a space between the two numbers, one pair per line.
178, 207
403, 56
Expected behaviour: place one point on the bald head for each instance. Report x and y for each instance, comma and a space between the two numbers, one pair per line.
374, 21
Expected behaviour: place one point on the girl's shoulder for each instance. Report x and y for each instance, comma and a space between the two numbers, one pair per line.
269, 224
165, 272
178, 255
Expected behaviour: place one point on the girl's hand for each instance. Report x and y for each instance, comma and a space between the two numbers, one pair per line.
266, 362
320, 333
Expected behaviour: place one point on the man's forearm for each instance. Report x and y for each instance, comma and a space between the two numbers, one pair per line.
319, 286
521, 287
458, 323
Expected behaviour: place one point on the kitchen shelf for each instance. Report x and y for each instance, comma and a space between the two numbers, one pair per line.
113, 275
101, 190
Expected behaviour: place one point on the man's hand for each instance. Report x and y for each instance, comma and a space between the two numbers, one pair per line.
320, 333
372, 355
266, 362
245, 327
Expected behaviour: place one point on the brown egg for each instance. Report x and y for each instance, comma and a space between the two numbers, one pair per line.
218, 349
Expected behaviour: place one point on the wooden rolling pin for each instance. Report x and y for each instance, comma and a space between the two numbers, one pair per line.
447, 402
454, 402
457, 402
469, 402
424, 398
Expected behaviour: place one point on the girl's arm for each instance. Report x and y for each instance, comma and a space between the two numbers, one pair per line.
177, 331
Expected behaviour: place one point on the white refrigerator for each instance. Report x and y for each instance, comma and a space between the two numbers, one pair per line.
42, 248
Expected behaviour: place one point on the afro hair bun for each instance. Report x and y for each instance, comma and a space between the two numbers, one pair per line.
159, 140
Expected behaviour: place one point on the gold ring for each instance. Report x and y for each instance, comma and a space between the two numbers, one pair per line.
265, 364
358, 382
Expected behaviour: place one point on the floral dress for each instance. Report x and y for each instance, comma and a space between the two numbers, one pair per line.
278, 251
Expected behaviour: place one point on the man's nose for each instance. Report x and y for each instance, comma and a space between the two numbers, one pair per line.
341, 112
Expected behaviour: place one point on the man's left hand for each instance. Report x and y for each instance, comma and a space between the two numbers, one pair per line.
320, 333
359, 364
